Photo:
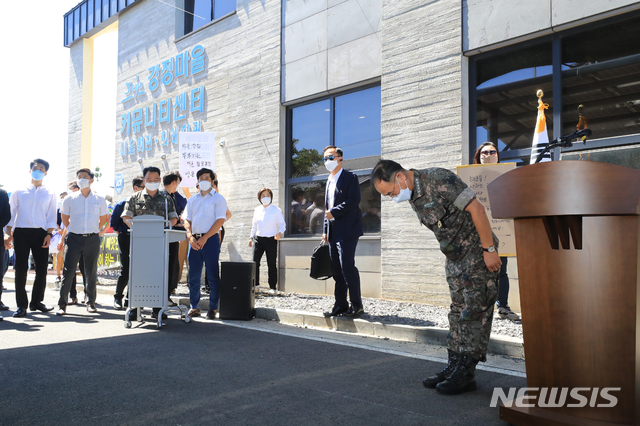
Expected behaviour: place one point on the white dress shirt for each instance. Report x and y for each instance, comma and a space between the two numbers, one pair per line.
33, 208
267, 221
203, 211
331, 188
84, 212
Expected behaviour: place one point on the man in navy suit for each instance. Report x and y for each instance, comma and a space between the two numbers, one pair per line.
342, 229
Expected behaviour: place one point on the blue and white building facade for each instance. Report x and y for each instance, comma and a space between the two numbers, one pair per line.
422, 83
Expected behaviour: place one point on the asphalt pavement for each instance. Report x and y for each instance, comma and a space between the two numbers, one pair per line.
89, 369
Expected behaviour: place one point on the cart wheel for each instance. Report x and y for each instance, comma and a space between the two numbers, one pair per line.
187, 319
127, 324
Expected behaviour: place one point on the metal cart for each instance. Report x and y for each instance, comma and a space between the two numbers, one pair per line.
149, 267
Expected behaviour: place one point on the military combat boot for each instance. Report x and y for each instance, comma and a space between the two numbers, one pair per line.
462, 379
441, 376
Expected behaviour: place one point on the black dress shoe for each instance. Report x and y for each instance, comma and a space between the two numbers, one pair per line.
336, 311
20, 312
40, 307
354, 312
3, 307
117, 304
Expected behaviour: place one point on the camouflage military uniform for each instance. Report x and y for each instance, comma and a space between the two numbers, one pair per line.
439, 198
141, 203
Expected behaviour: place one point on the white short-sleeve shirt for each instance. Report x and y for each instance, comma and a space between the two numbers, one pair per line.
84, 212
203, 211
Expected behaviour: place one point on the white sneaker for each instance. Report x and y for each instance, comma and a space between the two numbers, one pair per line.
273, 291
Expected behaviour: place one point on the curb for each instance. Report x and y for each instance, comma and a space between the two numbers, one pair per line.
498, 345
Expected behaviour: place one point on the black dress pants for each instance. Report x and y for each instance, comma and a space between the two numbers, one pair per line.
2, 266
503, 287
345, 273
73, 292
24, 241
87, 246
174, 266
267, 245
124, 243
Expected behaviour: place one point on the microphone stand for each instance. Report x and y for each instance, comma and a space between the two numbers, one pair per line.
563, 142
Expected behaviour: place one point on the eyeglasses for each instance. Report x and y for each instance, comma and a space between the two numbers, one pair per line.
492, 152
328, 158
393, 192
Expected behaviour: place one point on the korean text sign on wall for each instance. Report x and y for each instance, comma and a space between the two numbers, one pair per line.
196, 151
135, 121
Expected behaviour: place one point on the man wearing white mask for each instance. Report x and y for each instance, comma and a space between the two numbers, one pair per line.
83, 213
342, 229
150, 201
206, 213
33, 219
448, 207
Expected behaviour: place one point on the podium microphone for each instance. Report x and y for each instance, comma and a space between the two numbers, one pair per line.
583, 134
580, 134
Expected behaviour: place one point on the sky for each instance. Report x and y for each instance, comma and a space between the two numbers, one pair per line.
36, 94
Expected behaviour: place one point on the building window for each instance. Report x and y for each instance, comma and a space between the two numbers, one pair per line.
200, 12
594, 66
351, 121
88, 14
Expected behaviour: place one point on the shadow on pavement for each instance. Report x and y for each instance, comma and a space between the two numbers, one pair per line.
209, 373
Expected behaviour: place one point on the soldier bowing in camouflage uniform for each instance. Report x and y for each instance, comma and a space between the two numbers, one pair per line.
446, 206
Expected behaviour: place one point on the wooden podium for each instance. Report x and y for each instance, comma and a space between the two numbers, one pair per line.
577, 236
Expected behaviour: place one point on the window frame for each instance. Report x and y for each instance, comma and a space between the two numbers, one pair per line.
556, 77
213, 18
90, 14
315, 178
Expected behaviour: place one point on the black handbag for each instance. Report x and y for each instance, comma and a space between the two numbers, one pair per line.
321, 263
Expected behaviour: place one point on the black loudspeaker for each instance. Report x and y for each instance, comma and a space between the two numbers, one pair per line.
237, 294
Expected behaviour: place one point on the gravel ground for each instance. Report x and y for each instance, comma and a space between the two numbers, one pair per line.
376, 310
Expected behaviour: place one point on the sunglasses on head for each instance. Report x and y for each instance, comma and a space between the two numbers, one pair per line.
328, 158
492, 152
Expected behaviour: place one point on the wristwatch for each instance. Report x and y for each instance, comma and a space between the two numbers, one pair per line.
489, 249
50, 234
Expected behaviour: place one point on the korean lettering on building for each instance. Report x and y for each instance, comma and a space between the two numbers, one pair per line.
134, 121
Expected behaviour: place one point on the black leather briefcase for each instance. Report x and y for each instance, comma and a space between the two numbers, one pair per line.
321, 263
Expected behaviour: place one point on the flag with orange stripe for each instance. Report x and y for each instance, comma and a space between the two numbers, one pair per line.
540, 136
